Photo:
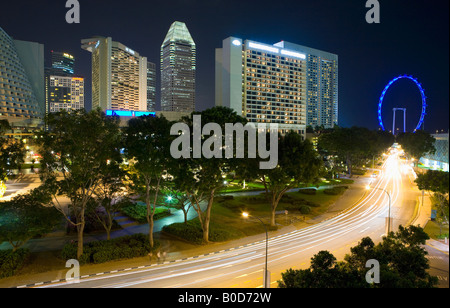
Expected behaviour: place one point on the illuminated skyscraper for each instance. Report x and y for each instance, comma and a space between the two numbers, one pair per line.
322, 85
151, 86
62, 64
263, 83
287, 84
119, 75
178, 66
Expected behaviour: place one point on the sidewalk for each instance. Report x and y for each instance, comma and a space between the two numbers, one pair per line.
423, 217
439, 245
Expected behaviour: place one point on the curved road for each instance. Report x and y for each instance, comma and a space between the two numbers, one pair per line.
242, 267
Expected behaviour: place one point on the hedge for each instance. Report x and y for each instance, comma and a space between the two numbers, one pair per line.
335, 190
308, 191
138, 212
126, 247
10, 261
192, 232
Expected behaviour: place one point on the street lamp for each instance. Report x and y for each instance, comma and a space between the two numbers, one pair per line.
266, 273
389, 215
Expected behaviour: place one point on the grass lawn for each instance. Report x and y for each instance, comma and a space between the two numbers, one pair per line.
227, 222
434, 232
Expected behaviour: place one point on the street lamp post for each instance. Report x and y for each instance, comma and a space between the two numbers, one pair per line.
266, 273
389, 214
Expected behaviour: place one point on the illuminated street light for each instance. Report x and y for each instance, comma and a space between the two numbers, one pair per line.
389, 215
266, 273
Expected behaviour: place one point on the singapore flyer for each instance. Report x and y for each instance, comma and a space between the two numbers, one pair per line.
422, 93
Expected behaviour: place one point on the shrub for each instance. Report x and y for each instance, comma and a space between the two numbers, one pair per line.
335, 190
308, 191
126, 247
192, 232
138, 212
304, 209
11, 262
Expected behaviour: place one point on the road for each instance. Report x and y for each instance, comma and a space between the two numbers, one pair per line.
242, 267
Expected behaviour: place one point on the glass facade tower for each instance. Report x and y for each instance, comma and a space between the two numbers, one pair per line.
178, 66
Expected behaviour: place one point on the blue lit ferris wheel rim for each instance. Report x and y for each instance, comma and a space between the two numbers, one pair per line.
422, 93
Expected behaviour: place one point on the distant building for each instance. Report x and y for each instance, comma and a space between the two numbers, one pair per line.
63, 64
64, 93
438, 160
22, 97
178, 67
151, 86
119, 75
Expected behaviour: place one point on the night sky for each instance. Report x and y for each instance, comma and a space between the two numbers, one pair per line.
412, 38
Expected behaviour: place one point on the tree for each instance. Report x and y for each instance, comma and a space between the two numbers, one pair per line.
433, 180
348, 143
436, 182
200, 178
324, 272
12, 152
417, 144
177, 199
298, 163
25, 217
403, 264
75, 152
147, 147
107, 199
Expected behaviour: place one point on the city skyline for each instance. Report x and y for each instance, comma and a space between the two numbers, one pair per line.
370, 55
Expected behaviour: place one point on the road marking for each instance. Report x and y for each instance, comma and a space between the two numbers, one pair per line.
364, 230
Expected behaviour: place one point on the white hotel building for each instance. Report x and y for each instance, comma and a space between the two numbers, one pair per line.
287, 84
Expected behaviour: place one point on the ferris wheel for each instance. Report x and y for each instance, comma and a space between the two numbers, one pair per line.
422, 93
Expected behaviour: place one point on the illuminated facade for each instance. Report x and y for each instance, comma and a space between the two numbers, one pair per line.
264, 83
178, 66
438, 160
151, 86
284, 83
322, 85
21, 79
62, 64
119, 75
64, 93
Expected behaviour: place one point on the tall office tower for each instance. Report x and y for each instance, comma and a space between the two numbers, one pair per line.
64, 93
21, 75
322, 85
178, 65
62, 64
119, 75
264, 83
151, 86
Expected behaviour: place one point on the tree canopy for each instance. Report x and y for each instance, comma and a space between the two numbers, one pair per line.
417, 144
401, 257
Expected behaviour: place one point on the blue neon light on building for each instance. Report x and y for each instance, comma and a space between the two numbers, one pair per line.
129, 113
